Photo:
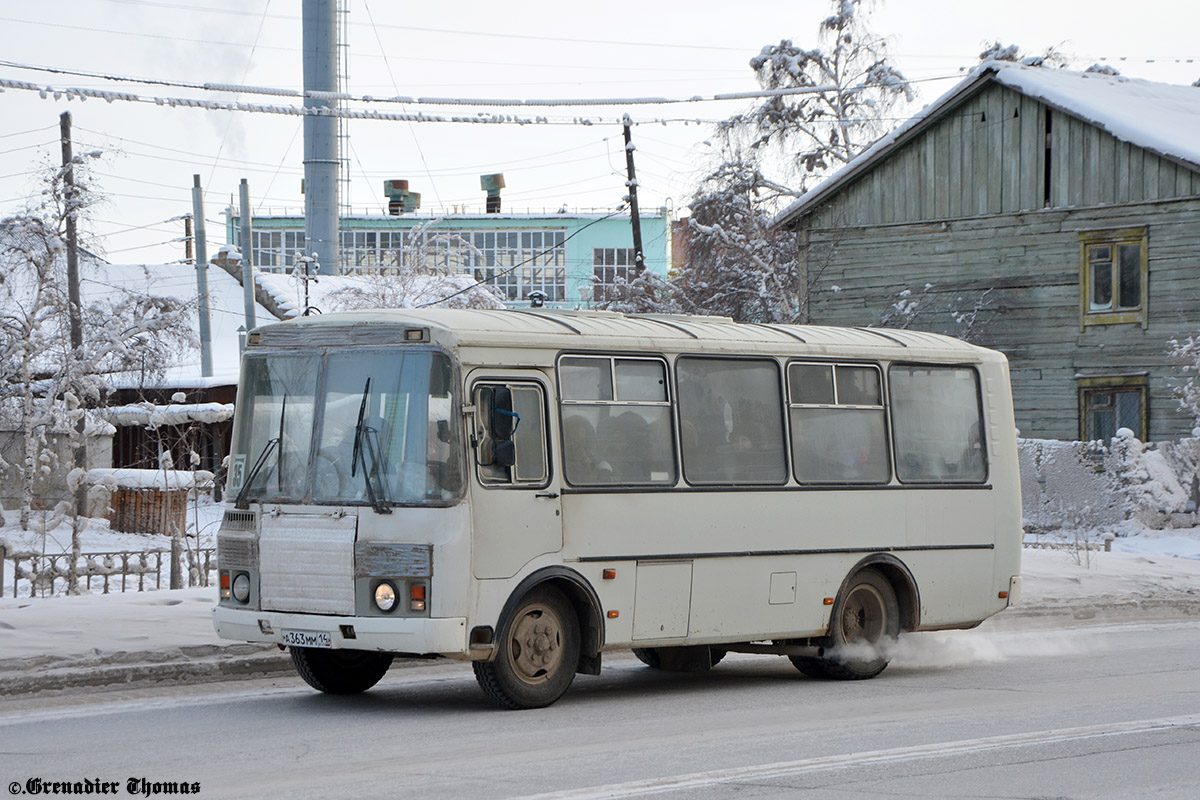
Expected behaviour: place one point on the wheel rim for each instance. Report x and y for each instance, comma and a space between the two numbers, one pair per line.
864, 617
535, 648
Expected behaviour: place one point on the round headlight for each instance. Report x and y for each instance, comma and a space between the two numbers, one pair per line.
241, 587
385, 596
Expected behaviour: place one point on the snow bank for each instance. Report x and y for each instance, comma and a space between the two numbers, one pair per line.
1089, 485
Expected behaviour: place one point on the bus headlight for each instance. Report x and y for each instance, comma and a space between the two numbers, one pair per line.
385, 596
241, 587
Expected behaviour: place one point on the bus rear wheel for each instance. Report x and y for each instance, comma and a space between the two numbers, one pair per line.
340, 671
865, 618
537, 654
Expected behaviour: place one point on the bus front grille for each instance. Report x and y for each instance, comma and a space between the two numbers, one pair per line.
306, 563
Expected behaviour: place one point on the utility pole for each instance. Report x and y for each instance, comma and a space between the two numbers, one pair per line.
69, 202
638, 259
201, 276
247, 249
70, 206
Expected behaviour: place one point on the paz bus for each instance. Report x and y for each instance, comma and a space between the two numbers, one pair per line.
528, 490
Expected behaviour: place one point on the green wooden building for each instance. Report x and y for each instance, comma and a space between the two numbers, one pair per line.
1052, 215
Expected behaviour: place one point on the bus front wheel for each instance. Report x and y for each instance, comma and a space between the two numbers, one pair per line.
537, 654
340, 671
865, 620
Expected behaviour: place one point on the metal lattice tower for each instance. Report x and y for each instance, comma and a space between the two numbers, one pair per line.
343, 80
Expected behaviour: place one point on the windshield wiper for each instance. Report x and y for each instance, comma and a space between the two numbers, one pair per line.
240, 501
362, 444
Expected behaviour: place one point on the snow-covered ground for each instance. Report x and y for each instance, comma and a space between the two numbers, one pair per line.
1150, 574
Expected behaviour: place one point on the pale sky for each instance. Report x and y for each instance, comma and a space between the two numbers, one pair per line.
470, 49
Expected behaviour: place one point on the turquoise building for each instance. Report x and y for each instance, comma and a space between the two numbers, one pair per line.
572, 258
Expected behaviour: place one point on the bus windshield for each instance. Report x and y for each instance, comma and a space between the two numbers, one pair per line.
364, 427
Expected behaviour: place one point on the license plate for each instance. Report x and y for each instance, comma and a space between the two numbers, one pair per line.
307, 638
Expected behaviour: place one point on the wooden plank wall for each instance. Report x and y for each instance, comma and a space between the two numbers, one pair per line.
987, 156
1030, 263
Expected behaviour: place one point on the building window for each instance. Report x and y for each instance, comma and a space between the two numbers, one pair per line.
1110, 403
1112, 277
275, 250
610, 264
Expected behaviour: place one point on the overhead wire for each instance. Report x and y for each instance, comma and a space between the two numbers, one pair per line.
411, 129
527, 261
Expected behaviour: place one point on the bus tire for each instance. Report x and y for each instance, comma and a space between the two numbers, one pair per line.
866, 616
648, 656
340, 671
537, 653
680, 659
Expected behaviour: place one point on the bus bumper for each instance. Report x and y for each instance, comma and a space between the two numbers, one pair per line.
395, 635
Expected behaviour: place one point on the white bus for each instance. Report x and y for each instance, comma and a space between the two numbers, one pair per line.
530, 489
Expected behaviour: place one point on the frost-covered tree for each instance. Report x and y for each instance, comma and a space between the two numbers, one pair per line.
1051, 57
645, 293
848, 94
46, 384
1185, 353
429, 272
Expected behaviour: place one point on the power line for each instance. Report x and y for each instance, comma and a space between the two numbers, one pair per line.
458, 32
249, 60
23, 133
529, 260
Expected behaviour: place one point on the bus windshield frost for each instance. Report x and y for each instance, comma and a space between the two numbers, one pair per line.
528, 491
361, 427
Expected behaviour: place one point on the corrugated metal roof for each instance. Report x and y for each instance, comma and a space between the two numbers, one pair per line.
560, 329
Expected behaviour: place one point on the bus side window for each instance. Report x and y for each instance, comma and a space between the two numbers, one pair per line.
520, 437
731, 420
937, 424
839, 434
616, 421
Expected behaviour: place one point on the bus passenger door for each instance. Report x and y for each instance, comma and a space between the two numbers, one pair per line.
516, 510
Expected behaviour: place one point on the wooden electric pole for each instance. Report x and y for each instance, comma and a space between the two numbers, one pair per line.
70, 207
70, 204
631, 182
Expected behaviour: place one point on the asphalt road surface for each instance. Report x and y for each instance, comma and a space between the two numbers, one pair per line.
1088, 712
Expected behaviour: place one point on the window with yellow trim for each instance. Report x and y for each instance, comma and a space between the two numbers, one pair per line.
1107, 404
1113, 272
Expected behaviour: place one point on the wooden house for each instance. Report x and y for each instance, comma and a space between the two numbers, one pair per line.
1052, 215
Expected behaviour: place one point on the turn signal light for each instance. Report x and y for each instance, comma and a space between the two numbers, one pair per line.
614, 614
417, 591
609, 574
1002, 595
828, 601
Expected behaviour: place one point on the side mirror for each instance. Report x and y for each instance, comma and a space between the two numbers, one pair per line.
500, 413
496, 448
504, 453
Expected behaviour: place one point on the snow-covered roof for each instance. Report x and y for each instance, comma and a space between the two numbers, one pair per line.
226, 314
1160, 117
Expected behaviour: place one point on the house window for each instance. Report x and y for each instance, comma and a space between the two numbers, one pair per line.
1112, 277
1108, 404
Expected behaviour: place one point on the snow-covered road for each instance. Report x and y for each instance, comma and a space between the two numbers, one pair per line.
1096, 711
